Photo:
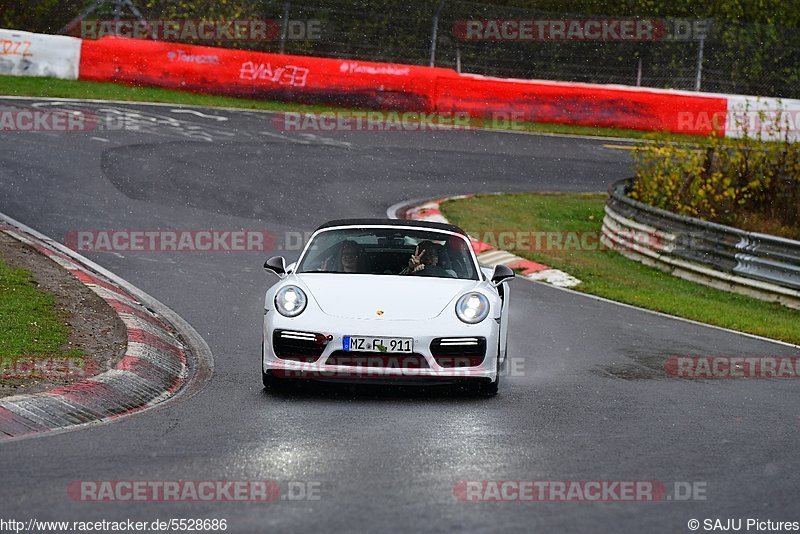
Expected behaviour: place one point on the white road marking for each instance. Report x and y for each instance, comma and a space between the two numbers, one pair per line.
203, 115
255, 112
314, 138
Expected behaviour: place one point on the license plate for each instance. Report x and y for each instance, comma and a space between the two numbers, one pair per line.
378, 344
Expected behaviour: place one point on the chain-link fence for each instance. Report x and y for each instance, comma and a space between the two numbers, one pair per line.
736, 58
760, 59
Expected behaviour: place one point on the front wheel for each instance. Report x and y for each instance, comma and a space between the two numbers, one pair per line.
489, 389
269, 380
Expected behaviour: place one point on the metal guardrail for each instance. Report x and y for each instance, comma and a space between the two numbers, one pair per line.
761, 265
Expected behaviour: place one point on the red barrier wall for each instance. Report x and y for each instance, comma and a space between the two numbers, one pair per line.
259, 75
389, 86
580, 104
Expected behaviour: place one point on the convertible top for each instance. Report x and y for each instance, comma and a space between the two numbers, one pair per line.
394, 222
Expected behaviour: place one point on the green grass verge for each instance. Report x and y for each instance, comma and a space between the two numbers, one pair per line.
30, 323
611, 275
55, 88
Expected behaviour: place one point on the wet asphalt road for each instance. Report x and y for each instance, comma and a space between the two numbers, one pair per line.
383, 460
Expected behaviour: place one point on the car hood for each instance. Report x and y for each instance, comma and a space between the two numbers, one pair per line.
360, 296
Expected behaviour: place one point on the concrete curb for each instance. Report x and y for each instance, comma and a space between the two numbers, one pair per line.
428, 210
164, 355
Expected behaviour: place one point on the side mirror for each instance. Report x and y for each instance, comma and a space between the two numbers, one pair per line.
277, 265
502, 274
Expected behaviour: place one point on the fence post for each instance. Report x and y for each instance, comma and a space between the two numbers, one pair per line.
284, 26
639, 73
702, 28
699, 71
435, 31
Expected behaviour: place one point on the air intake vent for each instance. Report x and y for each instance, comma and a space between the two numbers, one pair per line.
452, 352
378, 359
298, 346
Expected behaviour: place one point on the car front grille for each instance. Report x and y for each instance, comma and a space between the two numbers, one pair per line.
378, 359
298, 346
452, 352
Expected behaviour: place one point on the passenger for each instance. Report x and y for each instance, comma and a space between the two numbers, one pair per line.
425, 261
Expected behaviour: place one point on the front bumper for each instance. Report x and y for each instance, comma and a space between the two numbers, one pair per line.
423, 333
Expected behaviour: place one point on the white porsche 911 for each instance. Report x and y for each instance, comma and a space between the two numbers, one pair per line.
373, 300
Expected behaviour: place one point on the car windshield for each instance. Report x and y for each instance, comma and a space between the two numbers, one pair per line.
389, 251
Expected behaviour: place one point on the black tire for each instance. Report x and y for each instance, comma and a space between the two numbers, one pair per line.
269, 380
489, 389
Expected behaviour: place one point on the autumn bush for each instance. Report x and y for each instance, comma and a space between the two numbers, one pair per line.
751, 183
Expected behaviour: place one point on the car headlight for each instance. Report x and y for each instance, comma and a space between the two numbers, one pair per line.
472, 308
290, 301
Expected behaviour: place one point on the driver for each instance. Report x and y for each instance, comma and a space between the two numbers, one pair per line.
346, 260
425, 261
350, 255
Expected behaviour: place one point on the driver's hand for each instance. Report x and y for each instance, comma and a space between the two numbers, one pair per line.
415, 261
